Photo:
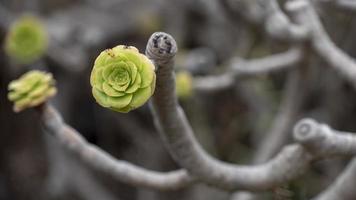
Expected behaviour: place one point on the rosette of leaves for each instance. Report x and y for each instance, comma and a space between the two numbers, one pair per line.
26, 40
184, 84
31, 89
122, 79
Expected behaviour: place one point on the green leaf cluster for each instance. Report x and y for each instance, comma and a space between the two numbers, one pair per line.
31, 89
122, 79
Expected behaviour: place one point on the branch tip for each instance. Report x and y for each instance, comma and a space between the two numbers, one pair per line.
161, 47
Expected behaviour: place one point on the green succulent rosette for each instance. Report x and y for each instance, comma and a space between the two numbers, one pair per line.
31, 89
27, 40
122, 79
184, 84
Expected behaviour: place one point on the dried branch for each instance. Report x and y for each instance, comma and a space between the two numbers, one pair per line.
304, 13
102, 161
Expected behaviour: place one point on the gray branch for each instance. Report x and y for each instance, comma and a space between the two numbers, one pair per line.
102, 161
269, 14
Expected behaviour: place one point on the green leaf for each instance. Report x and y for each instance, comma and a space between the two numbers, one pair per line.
111, 92
147, 72
135, 85
119, 102
140, 97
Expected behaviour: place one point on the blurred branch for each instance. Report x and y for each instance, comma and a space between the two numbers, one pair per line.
277, 135
287, 112
304, 13
101, 161
270, 16
239, 67
68, 175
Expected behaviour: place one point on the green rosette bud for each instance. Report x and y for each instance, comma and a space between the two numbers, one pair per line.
184, 84
31, 89
27, 40
122, 79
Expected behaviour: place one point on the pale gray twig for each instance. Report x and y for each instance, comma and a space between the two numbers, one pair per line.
241, 68
267, 64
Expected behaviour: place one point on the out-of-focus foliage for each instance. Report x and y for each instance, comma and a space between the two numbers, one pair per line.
26, 40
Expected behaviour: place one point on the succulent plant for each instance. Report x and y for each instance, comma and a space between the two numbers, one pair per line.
31, 89
122, 79
184, 84
26, 40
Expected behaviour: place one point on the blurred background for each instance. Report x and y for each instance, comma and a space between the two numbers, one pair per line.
232, 122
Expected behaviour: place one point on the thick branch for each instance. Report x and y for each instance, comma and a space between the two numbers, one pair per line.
102, 161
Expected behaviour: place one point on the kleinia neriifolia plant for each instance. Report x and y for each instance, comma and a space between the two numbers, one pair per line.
122, 79
31, 89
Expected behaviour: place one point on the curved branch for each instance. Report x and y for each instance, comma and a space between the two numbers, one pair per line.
102, 161
180, 141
